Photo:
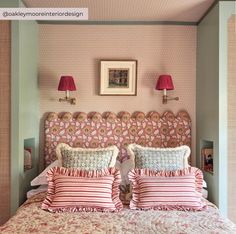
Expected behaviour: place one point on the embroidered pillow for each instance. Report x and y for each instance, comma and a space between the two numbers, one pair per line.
86, 158
159, 158
79, 190
167, 190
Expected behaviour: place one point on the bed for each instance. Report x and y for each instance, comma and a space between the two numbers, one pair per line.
30, 218
97, 130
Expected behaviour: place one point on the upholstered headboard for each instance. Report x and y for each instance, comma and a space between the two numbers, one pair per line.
95, 130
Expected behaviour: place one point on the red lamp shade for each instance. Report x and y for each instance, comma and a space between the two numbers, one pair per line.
164, 82
66, 83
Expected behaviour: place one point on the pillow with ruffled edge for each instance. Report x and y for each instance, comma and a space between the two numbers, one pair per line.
167, 190
74, 190
126, 194
41, 179
159, 158
86, 158
129, 164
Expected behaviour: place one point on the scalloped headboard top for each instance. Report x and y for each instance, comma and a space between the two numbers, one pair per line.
95, 130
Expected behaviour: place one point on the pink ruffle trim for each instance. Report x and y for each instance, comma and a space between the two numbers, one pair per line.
186, 171
135, 173
84, 174
173, 207
79, 209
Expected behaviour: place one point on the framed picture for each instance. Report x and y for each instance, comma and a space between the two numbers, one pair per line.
27, 159
118, 77
207, 160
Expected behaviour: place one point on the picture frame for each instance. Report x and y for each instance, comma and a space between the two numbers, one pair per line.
118, 77
27, 159
207, 160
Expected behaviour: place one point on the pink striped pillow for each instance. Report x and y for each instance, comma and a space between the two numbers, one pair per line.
167, 190
79, 190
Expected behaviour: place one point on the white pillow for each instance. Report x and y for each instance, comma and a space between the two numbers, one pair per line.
204, 191
41, 188
129, 164
41, 178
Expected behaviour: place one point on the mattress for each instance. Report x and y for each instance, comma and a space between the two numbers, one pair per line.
30, 218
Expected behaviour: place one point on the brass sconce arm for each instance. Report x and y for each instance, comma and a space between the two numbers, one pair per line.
72, 101
166, 98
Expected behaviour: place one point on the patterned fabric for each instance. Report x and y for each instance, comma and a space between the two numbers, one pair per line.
167, 190
159, 158
95, 130
77, 190
87, 159
30, 218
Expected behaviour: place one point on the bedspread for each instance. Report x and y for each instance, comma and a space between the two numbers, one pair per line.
30, 218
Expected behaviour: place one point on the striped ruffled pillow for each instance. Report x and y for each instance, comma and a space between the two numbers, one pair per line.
167, 190
79, 190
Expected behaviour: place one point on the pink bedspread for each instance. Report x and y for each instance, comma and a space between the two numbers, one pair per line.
31, 219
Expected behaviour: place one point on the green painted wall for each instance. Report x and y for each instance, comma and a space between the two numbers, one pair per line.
208, 93
9, 3
26, 106
211, 106
24, 102
28, 100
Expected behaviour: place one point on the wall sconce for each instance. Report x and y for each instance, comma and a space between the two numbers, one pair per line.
67, 84
165, 83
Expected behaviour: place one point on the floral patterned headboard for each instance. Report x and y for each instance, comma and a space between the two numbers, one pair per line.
95, 130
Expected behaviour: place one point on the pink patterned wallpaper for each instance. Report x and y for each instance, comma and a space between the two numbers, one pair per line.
77, 49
